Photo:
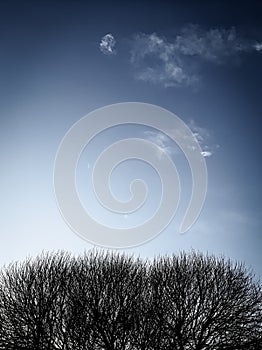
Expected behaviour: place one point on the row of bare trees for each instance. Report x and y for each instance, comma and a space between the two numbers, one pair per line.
115, 302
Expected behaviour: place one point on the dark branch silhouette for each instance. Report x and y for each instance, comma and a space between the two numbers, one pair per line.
115, 302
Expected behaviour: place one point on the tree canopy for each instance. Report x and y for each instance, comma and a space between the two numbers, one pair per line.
116, 302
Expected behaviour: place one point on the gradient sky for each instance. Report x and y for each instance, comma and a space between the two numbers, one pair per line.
202, 61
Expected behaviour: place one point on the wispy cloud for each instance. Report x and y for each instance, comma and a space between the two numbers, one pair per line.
156, 61
176, 62
213, 45
163, 143
107, 44
204, 138
166, 145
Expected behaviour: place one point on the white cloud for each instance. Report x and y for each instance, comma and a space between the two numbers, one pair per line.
175, 62
163, 143
203, 137
200, 133
213, 45
107, 44
258, 46
166, 145
206, 153
155, 60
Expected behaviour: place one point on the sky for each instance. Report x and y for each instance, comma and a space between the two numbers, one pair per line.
202, 61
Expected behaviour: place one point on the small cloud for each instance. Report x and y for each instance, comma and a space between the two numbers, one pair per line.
200, 133
163, 143
107, 44
166, 145
258, 46
203, 137
206, 153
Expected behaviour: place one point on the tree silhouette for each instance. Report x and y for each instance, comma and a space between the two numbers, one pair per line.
33, 302
115, 302
205, 303
104, 301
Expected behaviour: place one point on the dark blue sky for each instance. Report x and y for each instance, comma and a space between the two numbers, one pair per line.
53, 72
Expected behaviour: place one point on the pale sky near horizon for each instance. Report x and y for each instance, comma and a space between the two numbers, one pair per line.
62, 60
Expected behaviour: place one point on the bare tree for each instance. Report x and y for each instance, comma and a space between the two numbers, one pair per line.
202, 302
108, 288
115, 302
32, 303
